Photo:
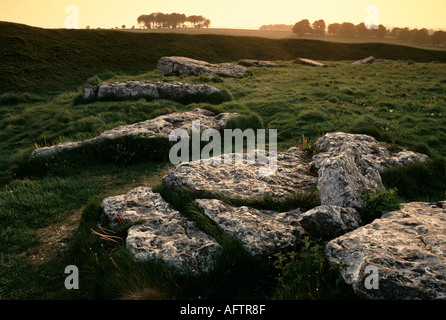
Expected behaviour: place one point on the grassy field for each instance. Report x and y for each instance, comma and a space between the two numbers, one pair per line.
274, 34
48, 61
49, 210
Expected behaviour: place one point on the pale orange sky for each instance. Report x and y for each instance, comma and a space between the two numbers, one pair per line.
247, 14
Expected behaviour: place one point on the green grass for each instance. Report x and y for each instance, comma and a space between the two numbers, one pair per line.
49, 60
400, 104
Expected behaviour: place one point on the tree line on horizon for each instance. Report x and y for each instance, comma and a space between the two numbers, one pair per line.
350, 30
159, 20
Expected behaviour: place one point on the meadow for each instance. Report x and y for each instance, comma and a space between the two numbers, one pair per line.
49, 210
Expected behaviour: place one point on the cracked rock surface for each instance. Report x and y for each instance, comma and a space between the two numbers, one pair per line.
160, 232
187, 66
145, 89
160, 126
408, 248
244, 180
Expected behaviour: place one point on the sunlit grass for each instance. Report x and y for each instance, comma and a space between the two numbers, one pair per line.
400, 104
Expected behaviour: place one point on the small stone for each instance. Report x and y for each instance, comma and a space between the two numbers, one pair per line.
367, 60
309, 62
257, 63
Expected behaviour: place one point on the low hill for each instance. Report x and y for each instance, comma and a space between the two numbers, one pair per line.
50, 60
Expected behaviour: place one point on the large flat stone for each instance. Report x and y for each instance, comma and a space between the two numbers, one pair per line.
349, 167
188, 66
244, 180
160, 232
262, 232
160, 126
146, 89
408, 249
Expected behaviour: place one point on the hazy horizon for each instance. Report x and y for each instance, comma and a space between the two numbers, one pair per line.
248, 14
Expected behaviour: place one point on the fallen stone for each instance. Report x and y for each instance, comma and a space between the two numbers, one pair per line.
187, 66
160, 126
408, 249
244, 180
257, 63
329, 222
367, 60
147, 89
262, 232
309, 62
349, 167
160, 233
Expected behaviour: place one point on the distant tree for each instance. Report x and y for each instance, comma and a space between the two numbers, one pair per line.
195, 20
175, 20
438, 38
334, 29
87, 27
421, 36
380, 32
404, 34
394, 33
123, 26
140, 20
160, 20
302, 28
206, 23
361, 30
347, 30
319, 27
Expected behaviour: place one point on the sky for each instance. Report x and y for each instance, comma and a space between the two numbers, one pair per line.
240, 14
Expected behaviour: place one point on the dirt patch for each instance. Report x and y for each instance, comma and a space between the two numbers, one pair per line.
53, 240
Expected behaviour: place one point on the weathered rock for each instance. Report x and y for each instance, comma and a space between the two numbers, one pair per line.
160, 126
329, 222
257, 63
188, 66
160, 232
367, 60
408, 248
146, 89
309, 62
244, 180
260, 231
350, 165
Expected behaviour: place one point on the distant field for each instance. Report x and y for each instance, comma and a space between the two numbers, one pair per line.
280, 35
50, 61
